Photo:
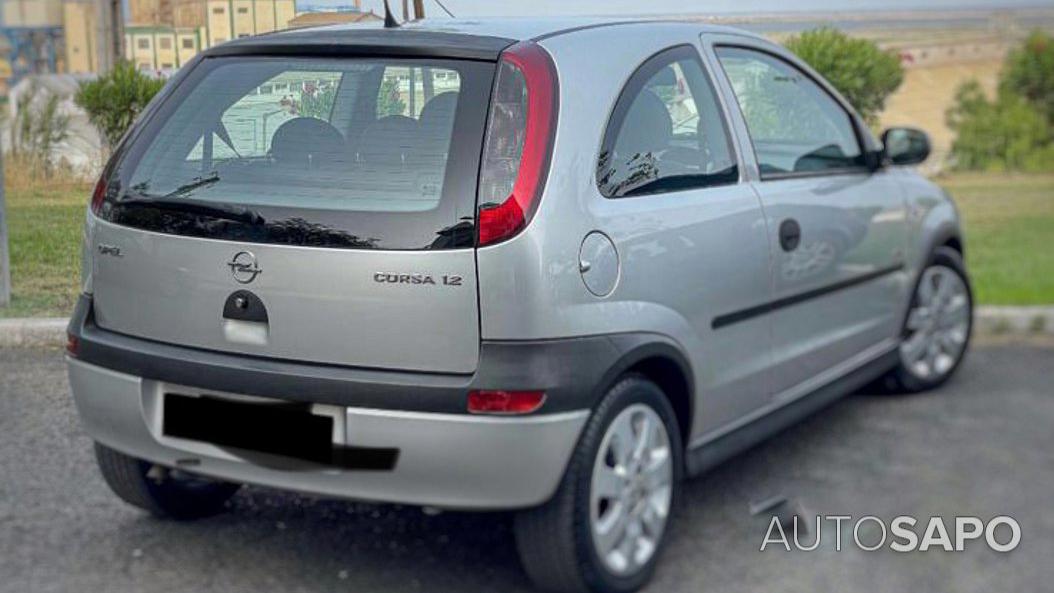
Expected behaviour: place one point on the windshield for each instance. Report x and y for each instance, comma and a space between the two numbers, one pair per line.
360, 153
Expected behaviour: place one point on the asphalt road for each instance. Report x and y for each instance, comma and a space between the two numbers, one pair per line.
983, 445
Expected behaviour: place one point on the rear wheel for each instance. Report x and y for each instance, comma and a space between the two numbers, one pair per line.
938, 325
604, 528
161, 491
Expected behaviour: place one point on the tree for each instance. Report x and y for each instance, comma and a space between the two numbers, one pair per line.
1015, 131
317, 102
1007, 134
38, 126
388, 100
865, 74
1029, 72
115, 99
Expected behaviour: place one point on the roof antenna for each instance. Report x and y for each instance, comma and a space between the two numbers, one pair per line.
443, 6
389, 20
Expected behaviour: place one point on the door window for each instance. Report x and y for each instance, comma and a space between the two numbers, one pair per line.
795, 125
667, 132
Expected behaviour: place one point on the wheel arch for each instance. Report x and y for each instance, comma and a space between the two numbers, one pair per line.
949, 236
661, 361
946, 234
955, 242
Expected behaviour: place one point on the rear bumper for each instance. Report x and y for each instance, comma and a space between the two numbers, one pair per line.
445, 460
573, 372
446, 457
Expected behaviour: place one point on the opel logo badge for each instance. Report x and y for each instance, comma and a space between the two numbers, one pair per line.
243, 267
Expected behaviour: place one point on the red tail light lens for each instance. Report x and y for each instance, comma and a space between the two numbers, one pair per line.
505, 402
98, 194
518, 144
72, 344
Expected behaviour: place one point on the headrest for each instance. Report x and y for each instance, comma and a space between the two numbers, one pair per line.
307, 141
647, 127
389, 139
439, 112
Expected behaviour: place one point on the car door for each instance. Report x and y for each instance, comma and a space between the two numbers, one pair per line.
837, 227
691, 234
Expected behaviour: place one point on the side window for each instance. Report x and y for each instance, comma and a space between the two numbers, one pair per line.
796, 127
667, 132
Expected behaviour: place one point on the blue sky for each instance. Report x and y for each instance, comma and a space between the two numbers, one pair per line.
470, 8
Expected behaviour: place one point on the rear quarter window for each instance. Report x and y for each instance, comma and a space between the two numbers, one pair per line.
355, 153
667, 131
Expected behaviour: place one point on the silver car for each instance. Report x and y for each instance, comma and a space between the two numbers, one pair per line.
545, 266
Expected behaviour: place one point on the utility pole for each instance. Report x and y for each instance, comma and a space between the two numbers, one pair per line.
419, 10
5, 255
117, 26
110, 33
427, 82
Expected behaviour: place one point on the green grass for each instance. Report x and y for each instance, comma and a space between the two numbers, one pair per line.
1009, 228
1009, 224
45, 229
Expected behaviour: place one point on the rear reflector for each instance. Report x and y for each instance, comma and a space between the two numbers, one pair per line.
505, 402
519, 139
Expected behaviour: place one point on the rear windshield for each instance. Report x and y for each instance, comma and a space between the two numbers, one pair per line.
355, 153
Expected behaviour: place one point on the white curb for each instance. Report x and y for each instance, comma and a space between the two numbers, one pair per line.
1014, 320
988, 320
33, 332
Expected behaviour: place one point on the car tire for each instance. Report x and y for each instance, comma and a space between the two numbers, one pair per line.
162, 492
556, 540
912, 377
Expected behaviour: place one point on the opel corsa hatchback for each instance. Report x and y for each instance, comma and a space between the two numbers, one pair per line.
545, 266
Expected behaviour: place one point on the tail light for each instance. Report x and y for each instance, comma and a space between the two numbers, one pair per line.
505, 402
98, 194
518, 143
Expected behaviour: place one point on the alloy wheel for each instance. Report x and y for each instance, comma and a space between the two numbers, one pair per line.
631, 490
938, 324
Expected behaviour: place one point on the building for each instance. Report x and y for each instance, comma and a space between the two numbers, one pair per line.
179, 29
31, 40
30, 13
334, 17
81, 30
156, 47
150, 11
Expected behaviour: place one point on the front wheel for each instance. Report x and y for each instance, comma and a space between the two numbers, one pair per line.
604, 528
938, 325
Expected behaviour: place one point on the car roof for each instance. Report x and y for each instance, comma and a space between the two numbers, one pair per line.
482, 38
516, 29
522, 29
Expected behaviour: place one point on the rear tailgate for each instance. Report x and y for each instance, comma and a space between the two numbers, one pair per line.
305, 209
323, 305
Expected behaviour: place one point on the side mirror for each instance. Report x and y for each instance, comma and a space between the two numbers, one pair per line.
905, 146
